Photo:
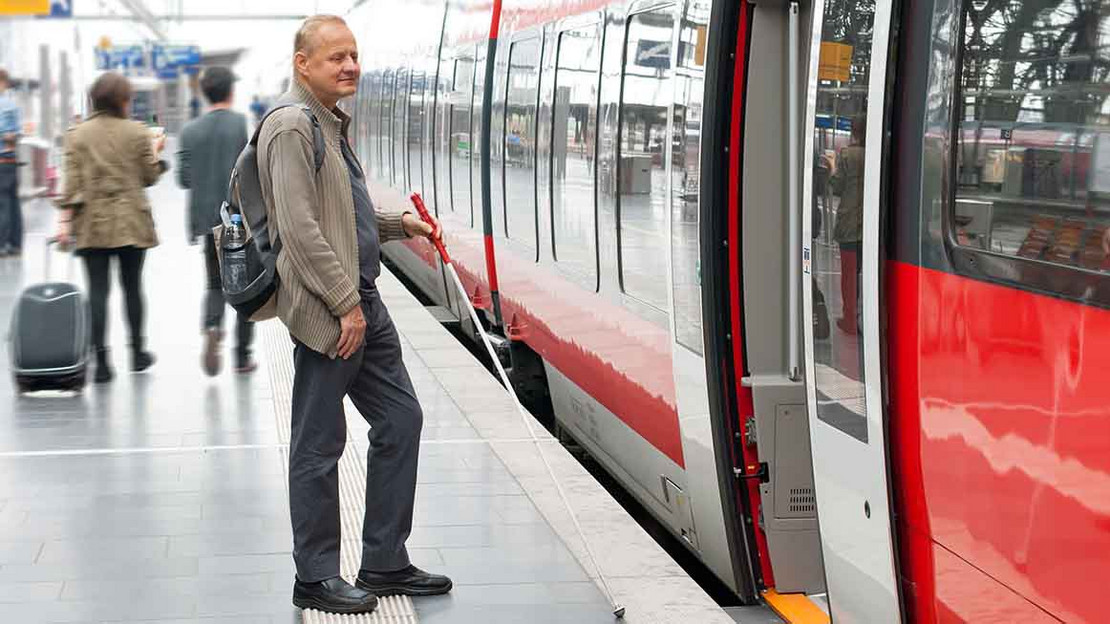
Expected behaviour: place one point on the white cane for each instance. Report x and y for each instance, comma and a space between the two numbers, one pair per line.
618, 610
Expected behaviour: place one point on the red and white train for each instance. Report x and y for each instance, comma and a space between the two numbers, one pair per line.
915, 351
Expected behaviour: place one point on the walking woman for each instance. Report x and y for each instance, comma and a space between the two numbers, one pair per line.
109, 160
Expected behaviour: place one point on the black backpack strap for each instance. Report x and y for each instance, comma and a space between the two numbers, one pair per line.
319, 149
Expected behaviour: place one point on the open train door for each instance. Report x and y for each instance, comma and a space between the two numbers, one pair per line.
843, 176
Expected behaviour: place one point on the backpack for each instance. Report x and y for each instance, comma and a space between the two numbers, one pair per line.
244, 196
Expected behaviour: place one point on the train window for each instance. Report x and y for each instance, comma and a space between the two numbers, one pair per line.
1032, 178
476, 135
574, 130
462, 98
839, 139
685, 184
415, 138
522, 93
644, 205
400, 110
385, 125
428, 150
371, 144
441, 153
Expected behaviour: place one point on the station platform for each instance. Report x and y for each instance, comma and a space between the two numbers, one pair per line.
161, 497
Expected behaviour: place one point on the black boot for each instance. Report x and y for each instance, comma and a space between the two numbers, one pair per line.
141, 359
103, 372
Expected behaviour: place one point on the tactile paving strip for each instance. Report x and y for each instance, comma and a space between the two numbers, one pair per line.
352, 492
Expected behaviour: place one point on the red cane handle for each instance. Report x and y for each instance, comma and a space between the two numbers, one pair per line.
425, 216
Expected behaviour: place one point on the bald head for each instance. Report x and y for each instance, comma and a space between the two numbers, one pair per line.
308, 35
325, 58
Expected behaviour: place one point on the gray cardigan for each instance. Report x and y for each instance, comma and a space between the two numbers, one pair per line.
315, 217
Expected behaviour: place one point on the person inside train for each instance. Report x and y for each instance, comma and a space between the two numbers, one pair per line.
846, 181
104, 210
207, 151
345, 344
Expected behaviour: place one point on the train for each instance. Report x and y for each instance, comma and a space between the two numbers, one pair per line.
822, 285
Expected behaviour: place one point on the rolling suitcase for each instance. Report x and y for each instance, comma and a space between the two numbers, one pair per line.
49, 342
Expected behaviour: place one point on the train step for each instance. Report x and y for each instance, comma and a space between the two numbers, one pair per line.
445, 316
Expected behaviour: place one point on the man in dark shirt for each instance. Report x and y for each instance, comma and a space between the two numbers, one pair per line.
209, 147
369, 248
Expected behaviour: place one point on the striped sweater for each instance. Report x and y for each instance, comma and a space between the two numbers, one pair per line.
315, 217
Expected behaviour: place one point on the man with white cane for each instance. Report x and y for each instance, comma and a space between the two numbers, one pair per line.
345, 343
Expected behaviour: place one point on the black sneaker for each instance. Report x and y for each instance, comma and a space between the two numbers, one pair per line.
411, 581
333, 596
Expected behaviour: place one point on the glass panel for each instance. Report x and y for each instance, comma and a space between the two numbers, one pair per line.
460, 136
415, 136
520, 141
432, 126
1033, 162
641, 170
572, 150
400, 108
371, 144
839, 178
685, 205
389, 83
476, 135
442, 142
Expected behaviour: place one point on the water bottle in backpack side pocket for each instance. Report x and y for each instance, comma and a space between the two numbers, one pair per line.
236, 277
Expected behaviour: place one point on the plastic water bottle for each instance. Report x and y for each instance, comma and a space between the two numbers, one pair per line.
236, 275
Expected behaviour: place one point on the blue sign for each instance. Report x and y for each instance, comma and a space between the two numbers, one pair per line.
120, 57
826, 121
61, 8
653, 54
174, 56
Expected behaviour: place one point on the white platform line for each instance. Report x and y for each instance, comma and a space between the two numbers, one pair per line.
141, 450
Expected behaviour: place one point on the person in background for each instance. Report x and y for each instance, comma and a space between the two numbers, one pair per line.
345, 344
105, 213
207, 151
846, 180
11, 215
258, 109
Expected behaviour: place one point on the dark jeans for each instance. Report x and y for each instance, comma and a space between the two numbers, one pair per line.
214, 304
11, 216
379, 386
97, 266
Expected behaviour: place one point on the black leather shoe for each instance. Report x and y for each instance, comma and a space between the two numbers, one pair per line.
333, 596
411, 581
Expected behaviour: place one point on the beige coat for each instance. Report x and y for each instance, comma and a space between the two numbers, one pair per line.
315, 217
847, 182
108, 163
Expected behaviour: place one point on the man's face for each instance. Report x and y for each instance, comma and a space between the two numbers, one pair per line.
331, 68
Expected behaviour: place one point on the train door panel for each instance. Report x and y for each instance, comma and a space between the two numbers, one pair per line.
843, 152
776, 424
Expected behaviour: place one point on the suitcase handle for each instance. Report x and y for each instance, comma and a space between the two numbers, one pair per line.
51, 241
